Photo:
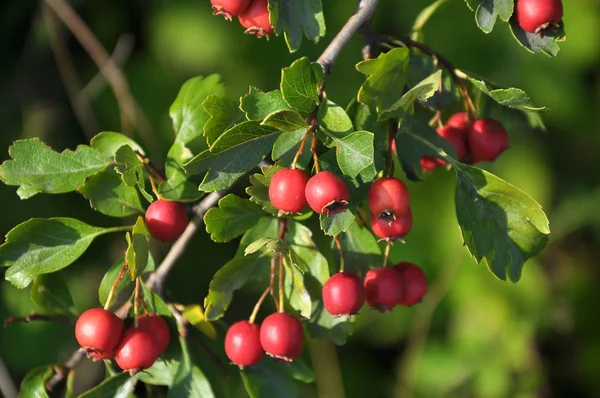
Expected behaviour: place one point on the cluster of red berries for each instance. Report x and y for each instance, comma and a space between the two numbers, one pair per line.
103, 336
480, 141
539, 16
253, 15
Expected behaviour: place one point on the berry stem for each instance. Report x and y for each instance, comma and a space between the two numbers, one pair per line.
39, 317
386, 252
281, 305
392, 130
272, 279
113, 289
259, 303
338, 243
136, 302
313, 148
300, 149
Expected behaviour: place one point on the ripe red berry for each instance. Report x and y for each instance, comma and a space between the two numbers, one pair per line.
383, 288
281, 336
429, 163
286, 190
487, 140
166, 220
415, 283
326, 193
98, 331
136, 351
343, 294
157, 328
538, 16
457, 138
242, 344
256, 19
460, 121
394, 229
388, 196
229, 8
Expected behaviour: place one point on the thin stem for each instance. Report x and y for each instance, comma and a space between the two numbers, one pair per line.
262, 298
326, 367
272, 279
281, 305
123, 228
136, 302
300, 149
313, 148
338, 243
386, 252
153, 172
392, 130
113, 289
39, 317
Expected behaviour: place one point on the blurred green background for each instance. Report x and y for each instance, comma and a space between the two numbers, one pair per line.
473, 336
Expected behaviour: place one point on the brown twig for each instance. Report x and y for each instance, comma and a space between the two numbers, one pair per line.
39, 317
7, 385
338, 243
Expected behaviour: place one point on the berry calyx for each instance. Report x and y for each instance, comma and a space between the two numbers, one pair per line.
415, 283
157, 328
256, 19
460, 121
383, 288
98, 331
343, 294
286, 190
281, 336
166, 220
229, 8
487, 140
388, 198
538, 16
457, 138
326, 193
394, 229
136, 351
242, 344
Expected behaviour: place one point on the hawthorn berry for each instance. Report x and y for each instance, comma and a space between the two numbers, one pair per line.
415, 283
98, 331
457, 138
166, 220
157, 328
460, 121
394, 229
281, 336
242, 344
136, 351
388, 198
343, 294
326, 193
383, 288
229, 8
429, 163
487, 140
539, 16
256, 19
286, 190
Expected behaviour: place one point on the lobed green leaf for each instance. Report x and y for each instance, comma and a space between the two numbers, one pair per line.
257, 104
224, 114
231, 218
300, 83
295, 17
109, 195
119, 386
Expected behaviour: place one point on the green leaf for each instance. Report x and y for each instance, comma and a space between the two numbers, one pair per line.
189, 381
119, 386
334, 119
487, 11
499, 222
286, 146
295, 291
294, 17
286, 120
266, 227
107, 143
337, 223
257, 104
41, 246
224, 114
269, 378
231, 218
50, 293
177, 186
129, 166
548, 44
364, 117
259, 244
161, 373
32, 385
155, 304
510, 97
109, 195
229, 278
36, 168
386, 78
124, 287
422, 91
323, 325
426, 13
307, 255
354, 152
236, 152
300, 83
360, 248
187, 112
259, 188
137, 249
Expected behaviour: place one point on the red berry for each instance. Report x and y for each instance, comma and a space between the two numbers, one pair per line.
98, 331
394, 146
537, 16
394, 229
327, 193
429, 163
383, 288
388, 196
460, 121
229, 8
166, 220
457, 138
286, 190
242, 344
343, 294
415, 283
256, 19
487, 140
136, 351
157, 328
281, 336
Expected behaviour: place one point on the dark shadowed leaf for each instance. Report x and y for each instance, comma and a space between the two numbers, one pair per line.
298, 17
119, 386
323, 325
32, 385
337, 223
231, 218
189, 380
50, 293
548, 44
487, 11
274, 378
